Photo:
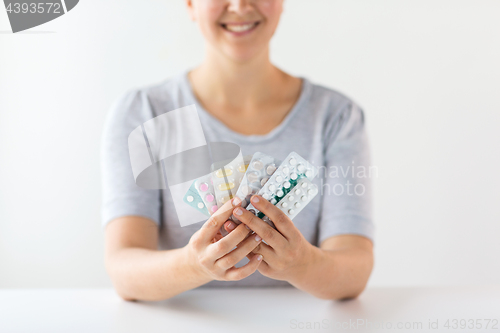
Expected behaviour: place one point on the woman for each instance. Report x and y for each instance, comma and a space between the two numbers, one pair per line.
242, 97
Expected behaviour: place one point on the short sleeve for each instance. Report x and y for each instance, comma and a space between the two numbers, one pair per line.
120, 194
346, 188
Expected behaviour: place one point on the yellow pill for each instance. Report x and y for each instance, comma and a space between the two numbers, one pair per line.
220, 174
226, 186
226, 198
243, 168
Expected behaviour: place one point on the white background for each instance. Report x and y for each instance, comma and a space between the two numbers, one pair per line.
427, 74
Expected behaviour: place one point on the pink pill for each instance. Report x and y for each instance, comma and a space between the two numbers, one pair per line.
209, 198
203, 187
214, 209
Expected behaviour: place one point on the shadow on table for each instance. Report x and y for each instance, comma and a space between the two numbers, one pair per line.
372, 304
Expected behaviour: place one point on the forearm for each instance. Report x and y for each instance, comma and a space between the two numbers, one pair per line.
335, 274
144, 274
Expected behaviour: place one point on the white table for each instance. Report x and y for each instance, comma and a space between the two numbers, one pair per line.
249, 310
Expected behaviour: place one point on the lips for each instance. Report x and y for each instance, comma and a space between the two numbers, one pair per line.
240, 28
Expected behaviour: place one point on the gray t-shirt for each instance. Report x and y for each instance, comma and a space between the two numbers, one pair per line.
324, 126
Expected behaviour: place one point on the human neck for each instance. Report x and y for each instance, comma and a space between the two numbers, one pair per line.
238, 85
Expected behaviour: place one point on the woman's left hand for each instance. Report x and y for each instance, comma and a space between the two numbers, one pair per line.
288, 253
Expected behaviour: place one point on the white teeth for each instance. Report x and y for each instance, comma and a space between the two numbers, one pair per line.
239, 27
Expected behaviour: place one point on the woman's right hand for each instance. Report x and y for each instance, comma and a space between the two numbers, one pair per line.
214, 257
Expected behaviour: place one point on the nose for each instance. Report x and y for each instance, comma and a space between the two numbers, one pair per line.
240, 6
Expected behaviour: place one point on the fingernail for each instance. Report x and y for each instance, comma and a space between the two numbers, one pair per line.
255, 199
236, 201
230, 225
257, 238
259, 257
238, 211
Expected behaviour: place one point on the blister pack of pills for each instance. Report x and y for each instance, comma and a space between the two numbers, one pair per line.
193, 199
260, 169
285, 178
206, 191
298, 198
227, 176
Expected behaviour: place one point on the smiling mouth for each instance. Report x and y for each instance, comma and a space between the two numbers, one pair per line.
239, 27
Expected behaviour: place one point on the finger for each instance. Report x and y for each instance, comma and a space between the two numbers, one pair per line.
228, 243
264, 265
238, 273
218, 236
229, 226
264, 230
213, 224
264, 249
264, 268
282, 222
224, 231
243, 249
